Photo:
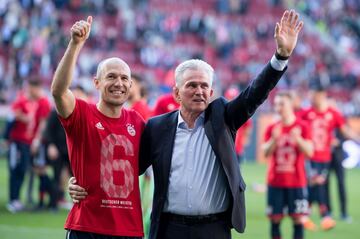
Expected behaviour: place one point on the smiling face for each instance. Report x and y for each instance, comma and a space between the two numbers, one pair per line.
283, 105
194, 92
113, 81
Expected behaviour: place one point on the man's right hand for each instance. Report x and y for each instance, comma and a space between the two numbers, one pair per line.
80, 31
76, 192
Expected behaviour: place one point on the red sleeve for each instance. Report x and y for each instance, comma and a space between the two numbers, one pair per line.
305, 132
158, 109
73, 123
339, 119
44, 108
17, 104
268, 131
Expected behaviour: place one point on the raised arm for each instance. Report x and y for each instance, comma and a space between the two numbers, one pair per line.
63, 97
286, 33
244, 105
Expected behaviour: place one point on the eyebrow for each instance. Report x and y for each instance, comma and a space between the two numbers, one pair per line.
196, 82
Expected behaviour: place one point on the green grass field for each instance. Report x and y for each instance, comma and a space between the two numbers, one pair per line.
48, 225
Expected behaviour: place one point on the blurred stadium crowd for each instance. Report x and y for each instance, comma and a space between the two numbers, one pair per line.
234, 36
153, 36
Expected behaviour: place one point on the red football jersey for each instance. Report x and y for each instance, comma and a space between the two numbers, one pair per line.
165, 104
240, 137
36, 110
103, 153
322, 126
287, 163
142, 108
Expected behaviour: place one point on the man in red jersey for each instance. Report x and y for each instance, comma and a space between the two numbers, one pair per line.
103, 145
164, 104
322, 120
287, 142
30, 109
243, 133
137, 98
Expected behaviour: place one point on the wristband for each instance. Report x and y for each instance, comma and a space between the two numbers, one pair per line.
280, 57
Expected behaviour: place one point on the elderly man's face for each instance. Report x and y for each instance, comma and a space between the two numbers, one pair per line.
195, 91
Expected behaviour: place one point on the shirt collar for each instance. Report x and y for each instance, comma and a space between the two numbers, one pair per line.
198, 122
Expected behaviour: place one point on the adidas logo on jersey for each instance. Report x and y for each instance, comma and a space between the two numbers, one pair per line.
99, 126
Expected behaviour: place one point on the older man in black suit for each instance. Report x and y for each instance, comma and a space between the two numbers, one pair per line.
199, 190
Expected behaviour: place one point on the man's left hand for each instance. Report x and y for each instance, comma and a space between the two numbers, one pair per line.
286, 33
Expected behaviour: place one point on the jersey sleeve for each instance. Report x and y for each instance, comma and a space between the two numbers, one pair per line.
44, 108
305, 131
339, 119
74, 122
18, 104
268, 131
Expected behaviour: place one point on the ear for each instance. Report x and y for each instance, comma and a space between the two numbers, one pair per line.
96, 83
176, 94
211, 92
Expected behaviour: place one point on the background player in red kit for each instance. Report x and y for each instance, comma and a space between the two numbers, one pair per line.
138, 97
322, 120
287, 142
103, 144
164, 104
244, 132
30, 109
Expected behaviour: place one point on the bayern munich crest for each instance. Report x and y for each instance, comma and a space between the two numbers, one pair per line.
131, 129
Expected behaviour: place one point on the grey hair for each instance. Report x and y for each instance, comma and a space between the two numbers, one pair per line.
102, 63
193, 64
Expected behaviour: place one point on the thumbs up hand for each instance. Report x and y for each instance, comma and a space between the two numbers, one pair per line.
80, 31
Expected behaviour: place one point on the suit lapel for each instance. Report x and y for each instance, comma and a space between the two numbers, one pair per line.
168, 139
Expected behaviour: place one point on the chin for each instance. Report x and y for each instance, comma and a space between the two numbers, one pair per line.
199, 109
116, 102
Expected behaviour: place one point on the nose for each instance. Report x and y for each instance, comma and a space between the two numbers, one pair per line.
118, 82
198, 90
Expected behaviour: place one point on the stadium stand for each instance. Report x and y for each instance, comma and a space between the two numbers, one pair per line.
235, 37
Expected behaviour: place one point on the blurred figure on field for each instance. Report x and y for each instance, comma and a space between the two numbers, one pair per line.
164, 104
57, 152
287, 142
337, 157
244, 132
323, 120
138, 97
30, 110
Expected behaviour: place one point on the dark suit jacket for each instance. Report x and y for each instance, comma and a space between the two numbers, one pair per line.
222, 119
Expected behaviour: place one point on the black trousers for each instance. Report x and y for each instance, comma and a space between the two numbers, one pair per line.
170, 229
336, 166
72, 234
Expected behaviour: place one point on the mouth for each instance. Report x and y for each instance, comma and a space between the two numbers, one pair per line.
117, 92
198, 100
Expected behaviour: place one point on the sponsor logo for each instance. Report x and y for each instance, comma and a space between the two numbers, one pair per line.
99, 126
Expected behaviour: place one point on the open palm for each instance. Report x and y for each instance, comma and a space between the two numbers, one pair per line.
286, 33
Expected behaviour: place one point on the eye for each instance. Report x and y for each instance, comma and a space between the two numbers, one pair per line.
111, 76
205, 86
192, 85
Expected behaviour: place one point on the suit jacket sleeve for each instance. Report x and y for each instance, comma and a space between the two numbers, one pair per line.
145, 147
239, 110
